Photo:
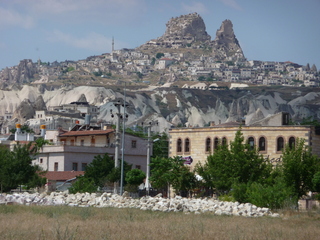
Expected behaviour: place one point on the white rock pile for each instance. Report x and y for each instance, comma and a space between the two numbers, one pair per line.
157, 203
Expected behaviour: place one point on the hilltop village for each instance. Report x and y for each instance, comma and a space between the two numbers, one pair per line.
184, 53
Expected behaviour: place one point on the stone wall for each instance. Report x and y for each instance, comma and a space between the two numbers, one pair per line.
177, 204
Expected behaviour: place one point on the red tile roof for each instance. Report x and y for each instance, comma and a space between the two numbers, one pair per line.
63, 175
87, 133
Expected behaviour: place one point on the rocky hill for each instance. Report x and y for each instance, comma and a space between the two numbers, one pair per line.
185, 40
189, 32
167, 90
172, 106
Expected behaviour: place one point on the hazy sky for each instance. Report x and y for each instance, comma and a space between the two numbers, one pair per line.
272, 30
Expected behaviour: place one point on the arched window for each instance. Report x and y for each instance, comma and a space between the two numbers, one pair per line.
179, 145
208, 144
280, 144
216, 142
251, 142
187, 145
224, 141
262, 144
292, 142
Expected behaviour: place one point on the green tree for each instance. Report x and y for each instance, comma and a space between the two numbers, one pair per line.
82, 185
99, 169
316, 182
238, 163
134, 178
159, 55
99, 172
166, 171
160, 169
16, 168
299, 167
201, 78
160, 145
139, 75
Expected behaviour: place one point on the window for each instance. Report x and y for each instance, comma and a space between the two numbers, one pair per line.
224, 141
41, 160
216, 143
83, 166
75, 166
134, 144
56, 166
251, 142
93, 141
280, 144
63, 141
208, 144
262, 144
179, 145
82, 142
72, 142
187, 145
138, 166
292, 142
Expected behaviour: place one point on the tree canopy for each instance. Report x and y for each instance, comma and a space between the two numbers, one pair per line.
100, 171
165, 171
237, 163
16, 168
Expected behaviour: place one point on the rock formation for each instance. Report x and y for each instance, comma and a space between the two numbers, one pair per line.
226, 44
171, 106
184, 30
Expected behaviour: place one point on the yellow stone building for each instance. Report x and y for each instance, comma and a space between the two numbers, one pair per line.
199, 142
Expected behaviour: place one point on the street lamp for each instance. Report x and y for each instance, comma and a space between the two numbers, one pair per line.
120, 116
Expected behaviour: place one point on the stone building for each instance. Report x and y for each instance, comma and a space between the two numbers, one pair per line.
74, 150
270, 139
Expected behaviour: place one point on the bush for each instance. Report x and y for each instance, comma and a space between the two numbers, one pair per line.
274, 196
83, 185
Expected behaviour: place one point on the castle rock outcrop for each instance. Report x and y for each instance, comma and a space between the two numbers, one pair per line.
185, 29
226, 44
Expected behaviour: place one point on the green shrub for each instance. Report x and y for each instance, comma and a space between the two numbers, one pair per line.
226, 198
276, 196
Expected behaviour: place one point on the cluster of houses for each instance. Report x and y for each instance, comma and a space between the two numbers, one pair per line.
126, 63
129, 62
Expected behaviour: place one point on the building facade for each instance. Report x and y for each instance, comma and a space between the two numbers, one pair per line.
74, 150
199, 143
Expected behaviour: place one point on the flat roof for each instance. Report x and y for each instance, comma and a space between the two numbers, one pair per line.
86, 133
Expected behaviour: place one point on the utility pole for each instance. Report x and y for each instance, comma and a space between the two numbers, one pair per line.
123, 135
120, 116
148, 156
116, 153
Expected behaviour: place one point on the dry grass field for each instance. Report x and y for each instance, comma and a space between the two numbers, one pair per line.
40, 222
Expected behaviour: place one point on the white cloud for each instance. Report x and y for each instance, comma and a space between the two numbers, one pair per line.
195, 7
232, 4
13, 18
81, 10
93, 41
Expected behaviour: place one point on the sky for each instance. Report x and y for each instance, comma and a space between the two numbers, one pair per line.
59, 30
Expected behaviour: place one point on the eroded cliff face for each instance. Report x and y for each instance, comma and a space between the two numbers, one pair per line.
171, 106
186, 27
226, 44
190, 31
